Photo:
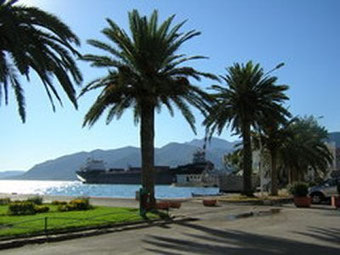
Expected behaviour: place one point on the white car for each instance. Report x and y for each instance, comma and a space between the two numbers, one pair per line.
324, 191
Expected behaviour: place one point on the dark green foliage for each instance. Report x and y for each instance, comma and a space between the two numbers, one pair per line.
21, 208
249, 97
38, 200
5, 201
145, 72
338, 187
305, 147
57, 202
234, 161
144, 69
299, 189
41, 208
34, 40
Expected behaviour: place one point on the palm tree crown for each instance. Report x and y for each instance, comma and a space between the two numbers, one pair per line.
31, 39
145, 73
305, 147
249, 97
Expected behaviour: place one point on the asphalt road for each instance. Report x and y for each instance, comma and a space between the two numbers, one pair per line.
293, 231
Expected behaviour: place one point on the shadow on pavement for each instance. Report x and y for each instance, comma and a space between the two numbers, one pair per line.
331, 235
214, 241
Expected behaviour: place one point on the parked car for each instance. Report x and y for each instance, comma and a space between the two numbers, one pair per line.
324, 191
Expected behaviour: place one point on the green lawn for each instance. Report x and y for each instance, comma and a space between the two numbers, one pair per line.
99, 215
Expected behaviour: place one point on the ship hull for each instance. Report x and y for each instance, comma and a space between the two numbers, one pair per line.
103, 177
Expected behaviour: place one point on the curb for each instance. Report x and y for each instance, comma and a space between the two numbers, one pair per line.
19, 242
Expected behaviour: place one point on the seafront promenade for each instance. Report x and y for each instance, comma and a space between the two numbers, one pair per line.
216, 230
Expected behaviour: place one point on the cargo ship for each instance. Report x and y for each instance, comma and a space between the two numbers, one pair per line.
95, 172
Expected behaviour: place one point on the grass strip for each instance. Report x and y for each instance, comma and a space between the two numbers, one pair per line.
33, 224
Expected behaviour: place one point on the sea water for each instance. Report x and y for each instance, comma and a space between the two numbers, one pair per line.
76, 188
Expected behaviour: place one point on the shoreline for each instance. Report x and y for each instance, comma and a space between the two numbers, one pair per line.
100, 201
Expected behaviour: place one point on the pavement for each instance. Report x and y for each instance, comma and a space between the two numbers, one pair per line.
217, 230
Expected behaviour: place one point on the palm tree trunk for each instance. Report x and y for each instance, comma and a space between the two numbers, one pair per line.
295, 177
289, 175
147, 148
274, 188
247, 160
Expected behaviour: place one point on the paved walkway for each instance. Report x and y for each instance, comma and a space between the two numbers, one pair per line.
293, 231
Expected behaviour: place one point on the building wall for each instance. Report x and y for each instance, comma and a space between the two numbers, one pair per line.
188, 178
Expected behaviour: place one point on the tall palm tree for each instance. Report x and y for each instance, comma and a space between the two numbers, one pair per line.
145, 72
249, 96
31, 39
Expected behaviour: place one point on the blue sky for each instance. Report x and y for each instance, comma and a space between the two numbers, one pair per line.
303, 34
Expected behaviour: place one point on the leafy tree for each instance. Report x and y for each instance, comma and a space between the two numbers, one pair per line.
145, 73
233, 160
31, 39
249, 97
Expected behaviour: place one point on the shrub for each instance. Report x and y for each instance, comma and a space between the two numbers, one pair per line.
338, 187
62, 208
81, 203
5, 201
21, 208
41, 208
299, 189
38, 200
57, 202
67, 207
78, 204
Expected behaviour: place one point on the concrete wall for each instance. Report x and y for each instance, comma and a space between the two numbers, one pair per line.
234, 183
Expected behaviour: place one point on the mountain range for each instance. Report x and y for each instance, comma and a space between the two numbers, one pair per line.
335, 137
10, 174
172, 154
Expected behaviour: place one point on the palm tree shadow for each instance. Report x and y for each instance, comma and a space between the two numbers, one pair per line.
331, 235
216, 241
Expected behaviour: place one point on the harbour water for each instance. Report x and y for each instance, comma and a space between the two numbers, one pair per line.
76, 188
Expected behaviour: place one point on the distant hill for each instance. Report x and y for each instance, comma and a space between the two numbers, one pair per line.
10, 174
172, 154
335, 137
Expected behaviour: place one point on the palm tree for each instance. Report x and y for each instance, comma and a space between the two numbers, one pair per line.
273, 137
31, 39
145, 74
305, 148
249, 97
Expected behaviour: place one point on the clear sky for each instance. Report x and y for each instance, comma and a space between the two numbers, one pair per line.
303, 34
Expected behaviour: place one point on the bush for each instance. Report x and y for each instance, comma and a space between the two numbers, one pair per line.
57, 202
21, 208
299, 189
38, 200
78, 204
5, 201
66, 207
41, 208
81, 203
